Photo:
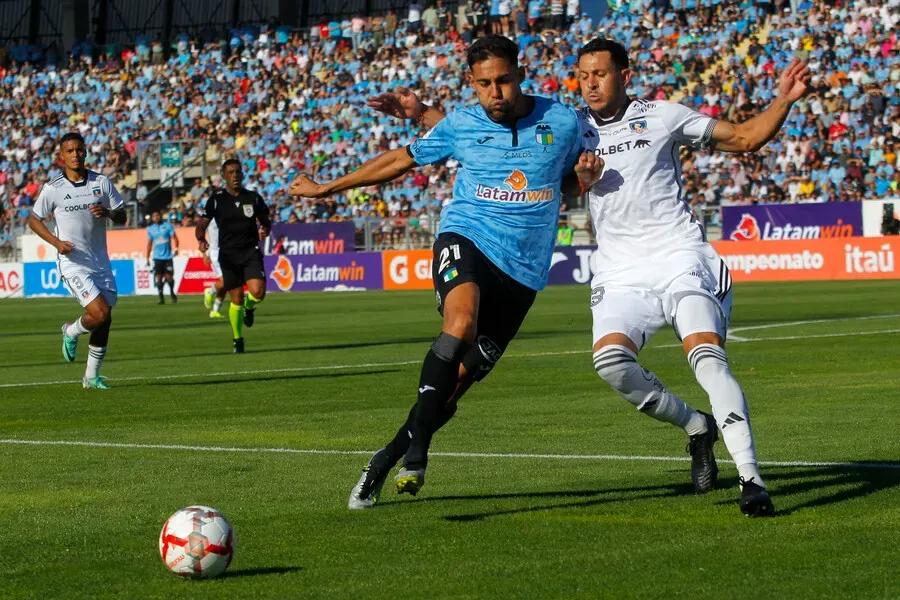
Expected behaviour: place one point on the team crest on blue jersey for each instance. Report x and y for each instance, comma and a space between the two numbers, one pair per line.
96, 191
544, 135
638, 126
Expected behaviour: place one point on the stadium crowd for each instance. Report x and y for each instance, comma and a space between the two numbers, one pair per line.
285, 101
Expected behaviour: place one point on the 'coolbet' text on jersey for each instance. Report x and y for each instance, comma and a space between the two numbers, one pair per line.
162, 235
506, 195
235, 218
637, 208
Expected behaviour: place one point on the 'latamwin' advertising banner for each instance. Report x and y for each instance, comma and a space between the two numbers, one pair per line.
310, 238
353, 271
792, 221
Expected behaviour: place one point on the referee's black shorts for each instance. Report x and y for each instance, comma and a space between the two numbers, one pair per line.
240, 266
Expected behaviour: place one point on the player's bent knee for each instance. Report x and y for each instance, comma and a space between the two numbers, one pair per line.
100, 312
614, 363
708, 358
449, 348
461, 325
481, 359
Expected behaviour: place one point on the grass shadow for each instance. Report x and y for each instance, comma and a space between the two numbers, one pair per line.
591, 498
829, 484
282, 377
260, 571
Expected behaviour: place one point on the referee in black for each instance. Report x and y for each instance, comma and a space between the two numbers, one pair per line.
237, 211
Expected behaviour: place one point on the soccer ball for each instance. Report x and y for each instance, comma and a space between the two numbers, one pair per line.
197, 542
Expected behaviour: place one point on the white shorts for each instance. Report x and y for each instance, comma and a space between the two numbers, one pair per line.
85, 285
214, 263
689, 290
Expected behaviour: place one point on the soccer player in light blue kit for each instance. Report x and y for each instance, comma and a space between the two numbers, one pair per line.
160, 236
495, 240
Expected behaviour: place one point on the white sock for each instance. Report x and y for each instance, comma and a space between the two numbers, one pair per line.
217, 304
618, 367
729, 407
95, 359
77, 328
212, 290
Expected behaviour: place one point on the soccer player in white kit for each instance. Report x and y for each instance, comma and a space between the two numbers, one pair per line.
80, 201
214, 294
654, 265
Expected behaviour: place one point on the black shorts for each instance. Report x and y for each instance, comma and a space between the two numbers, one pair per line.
163, 267
239, 267
503, 302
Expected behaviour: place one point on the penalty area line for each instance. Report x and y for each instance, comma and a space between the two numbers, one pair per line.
402, 363
489, 455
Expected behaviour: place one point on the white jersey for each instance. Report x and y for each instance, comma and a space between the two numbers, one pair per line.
637, 209
212, 232
67, 203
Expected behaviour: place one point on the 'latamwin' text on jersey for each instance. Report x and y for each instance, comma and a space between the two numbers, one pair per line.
507, 189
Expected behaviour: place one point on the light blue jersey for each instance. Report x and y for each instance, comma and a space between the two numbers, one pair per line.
161, 235
506, 195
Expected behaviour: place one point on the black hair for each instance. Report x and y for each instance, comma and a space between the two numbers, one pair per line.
615, 49
496, 46
231, 161
72, 135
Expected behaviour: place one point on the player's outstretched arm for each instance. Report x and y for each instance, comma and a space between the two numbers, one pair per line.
752, 135
403, 103
37, 226
381, 169
586, 173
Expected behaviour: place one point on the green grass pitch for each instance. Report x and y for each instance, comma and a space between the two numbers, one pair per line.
820, 363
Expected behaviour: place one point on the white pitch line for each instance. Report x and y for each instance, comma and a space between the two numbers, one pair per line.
792, 463
224, 373
811, 322
736, 338
416, 362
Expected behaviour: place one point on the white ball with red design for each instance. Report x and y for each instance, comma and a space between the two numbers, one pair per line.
197, 542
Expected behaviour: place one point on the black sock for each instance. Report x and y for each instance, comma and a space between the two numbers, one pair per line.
397, 447
436, 386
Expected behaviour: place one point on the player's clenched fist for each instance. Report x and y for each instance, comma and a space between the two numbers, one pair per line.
305, 187
98, 211
588, 169
65, 247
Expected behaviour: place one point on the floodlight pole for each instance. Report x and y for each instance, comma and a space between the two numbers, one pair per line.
34, 22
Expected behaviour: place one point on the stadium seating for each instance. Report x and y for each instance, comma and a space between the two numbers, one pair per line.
286, 102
